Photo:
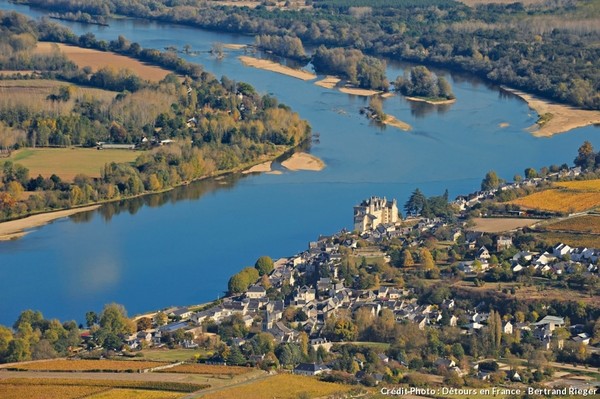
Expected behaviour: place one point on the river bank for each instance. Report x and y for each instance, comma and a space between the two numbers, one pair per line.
14, 229
554, 117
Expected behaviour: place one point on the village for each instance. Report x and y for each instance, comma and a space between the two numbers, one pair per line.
316, 300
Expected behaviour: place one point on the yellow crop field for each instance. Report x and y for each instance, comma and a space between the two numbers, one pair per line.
88, 365
581, 185
282, 386
8, 391
69, 162
134, 394
208, 369
580, 224
574, 196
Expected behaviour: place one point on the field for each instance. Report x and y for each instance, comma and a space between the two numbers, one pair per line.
8, 391
498, 225
171, 355
98, 59
283, 386
88, 365
47, 388
208, 369
68, 162
32, 95
570, 197
580, 224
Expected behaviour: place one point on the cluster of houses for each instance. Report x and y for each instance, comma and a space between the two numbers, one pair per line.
329, 295
465, 202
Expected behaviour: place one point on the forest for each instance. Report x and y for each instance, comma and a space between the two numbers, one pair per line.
546, 48
215, 125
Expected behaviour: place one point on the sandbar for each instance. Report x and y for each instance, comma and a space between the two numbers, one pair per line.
503, 124
260, 168
564, 117
16, 228
303, 161
232, 46
432, 102
329, 82
275, 67
387, 95
359, 92
392, 121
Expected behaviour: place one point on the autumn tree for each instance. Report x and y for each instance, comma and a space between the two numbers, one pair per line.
427, 262
264, 265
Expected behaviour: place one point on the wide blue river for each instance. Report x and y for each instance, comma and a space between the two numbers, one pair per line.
181, 248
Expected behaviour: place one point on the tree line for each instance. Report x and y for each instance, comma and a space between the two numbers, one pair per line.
509, 44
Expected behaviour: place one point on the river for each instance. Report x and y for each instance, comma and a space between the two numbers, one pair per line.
181, 247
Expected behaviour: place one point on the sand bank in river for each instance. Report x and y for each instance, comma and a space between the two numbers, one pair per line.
329, 82
15, 228
562, 119
392, 121
303, 161
358, 92
275, 67
232, 46
260, 168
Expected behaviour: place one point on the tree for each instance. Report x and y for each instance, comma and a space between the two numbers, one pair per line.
530, 173
18, 351
264, 265
416, 203
160, 319
144, 323
91, 318
586, 158
407, 259
490, 182
113, 323
426, 259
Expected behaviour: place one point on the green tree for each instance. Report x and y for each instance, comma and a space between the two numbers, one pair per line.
18, 351
490, 182
160, 319
264, 265
91, 318
416, 203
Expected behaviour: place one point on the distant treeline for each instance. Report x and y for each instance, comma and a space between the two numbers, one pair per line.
546, 49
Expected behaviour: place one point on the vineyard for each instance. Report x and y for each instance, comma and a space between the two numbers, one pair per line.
97, 385
583, 224
565, 197
208, 369
36, 388
130, 366
283, 386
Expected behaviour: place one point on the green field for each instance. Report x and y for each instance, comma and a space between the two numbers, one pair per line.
69, 162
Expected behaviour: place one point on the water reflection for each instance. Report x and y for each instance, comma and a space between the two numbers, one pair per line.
421, 109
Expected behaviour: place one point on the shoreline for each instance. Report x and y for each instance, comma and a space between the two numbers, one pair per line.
563, 118
432, 102
14, 229
275, 67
